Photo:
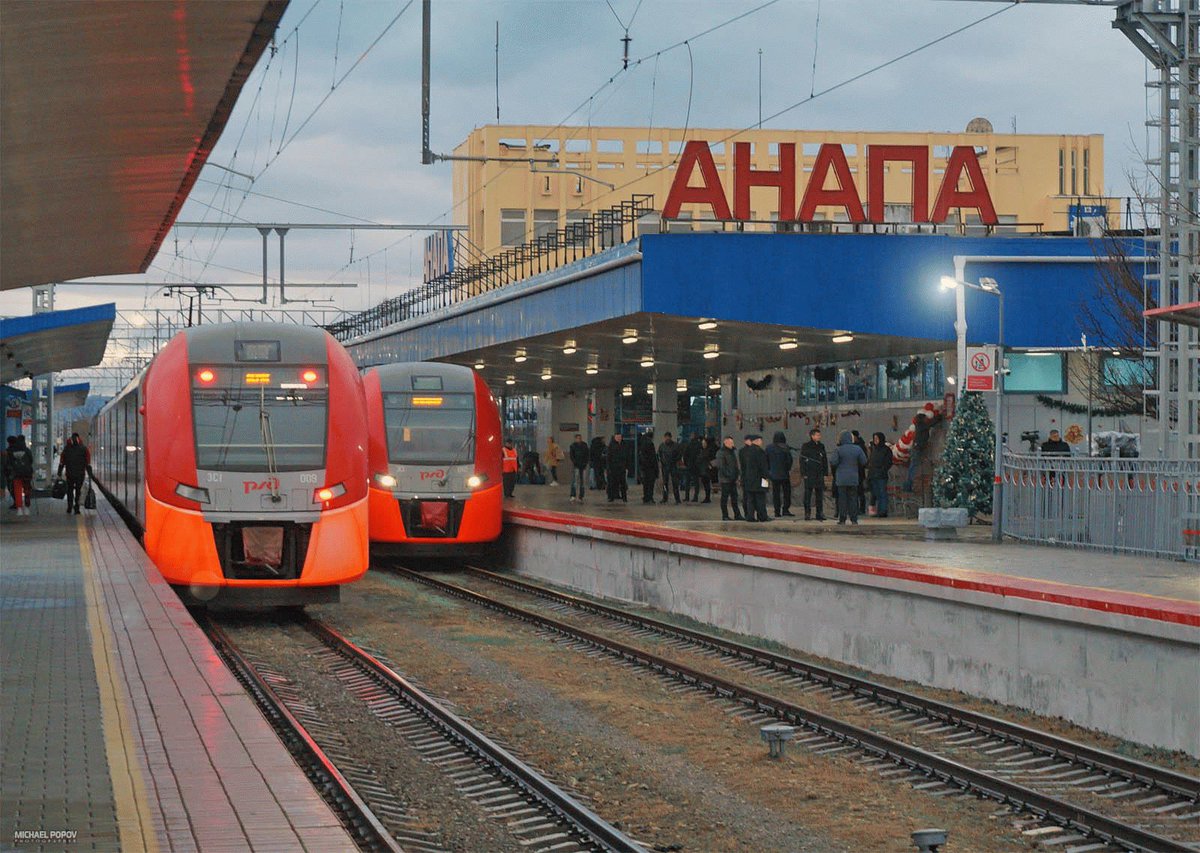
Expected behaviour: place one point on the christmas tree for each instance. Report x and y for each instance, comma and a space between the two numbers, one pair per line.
966, 473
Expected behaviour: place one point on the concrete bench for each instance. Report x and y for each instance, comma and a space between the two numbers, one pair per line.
942, 523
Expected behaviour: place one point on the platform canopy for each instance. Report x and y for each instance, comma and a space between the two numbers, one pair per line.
108, 111
54, 340
1187, 313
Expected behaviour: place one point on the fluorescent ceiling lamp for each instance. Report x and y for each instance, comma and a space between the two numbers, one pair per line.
714, 385
627, 391
631, 336
547, 376
479, 365
842, 339
681, 385
520, 356
592, 370
510, 381
706, 325
712, 353
569, 348
788, 344
650, 388
647, 361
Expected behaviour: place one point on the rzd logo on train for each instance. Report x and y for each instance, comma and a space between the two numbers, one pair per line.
433, 475
269, 484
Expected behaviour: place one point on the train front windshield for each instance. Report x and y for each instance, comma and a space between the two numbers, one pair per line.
430, 429
242, 428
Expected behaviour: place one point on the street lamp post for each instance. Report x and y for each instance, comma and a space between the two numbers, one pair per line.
987, 285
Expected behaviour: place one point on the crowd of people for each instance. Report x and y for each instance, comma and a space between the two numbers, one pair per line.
16, 472
743, 477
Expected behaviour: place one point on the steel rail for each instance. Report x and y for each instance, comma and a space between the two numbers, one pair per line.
948, 772
360, 821
550, 796
1170, 781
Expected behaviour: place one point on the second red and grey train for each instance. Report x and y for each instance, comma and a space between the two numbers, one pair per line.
435, 459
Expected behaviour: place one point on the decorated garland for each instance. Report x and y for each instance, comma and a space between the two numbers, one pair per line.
1077, 409
902, 449
896, 371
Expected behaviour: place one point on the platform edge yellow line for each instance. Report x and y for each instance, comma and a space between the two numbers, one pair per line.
134, 817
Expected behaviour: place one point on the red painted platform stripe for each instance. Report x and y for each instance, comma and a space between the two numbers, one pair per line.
1090, 598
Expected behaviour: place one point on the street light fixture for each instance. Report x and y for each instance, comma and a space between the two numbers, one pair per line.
989, 285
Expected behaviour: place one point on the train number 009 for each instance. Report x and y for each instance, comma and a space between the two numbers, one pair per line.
308, 478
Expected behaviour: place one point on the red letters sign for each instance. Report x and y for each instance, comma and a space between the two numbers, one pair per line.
832, 183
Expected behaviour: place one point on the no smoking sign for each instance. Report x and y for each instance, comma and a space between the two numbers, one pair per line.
981, 364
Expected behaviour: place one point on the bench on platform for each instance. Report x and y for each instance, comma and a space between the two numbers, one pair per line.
942, 523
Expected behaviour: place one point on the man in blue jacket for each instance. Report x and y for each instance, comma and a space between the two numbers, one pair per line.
847, 460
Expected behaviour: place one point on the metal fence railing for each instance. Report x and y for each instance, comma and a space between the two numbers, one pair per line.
1134, 506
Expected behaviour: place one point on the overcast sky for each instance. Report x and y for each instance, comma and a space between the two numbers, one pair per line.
1048, 68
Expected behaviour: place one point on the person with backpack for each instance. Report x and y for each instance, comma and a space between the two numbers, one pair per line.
580, 456
76, 460
18, 464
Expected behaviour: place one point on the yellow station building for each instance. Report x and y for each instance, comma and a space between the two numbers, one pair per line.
521, 181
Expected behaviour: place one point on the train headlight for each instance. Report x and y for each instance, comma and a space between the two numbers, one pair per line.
386, 480
328, 493
476, 480
192, 493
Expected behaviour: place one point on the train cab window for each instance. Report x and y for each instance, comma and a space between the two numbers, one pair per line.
427, 383
238, 428
427, 429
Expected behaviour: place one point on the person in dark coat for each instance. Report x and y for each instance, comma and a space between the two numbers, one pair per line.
1055, 446
708, 457
847, 461
668, 460
76, 460
6, 479
693, 465
741, 458
599, 460
779, 460
647, 466
814, 465
580, 455
727, 476
921, 429
18, 464
619, 461
862, 474
754, 479
879, 462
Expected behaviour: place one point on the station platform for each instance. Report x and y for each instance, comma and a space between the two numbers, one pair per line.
1107, 641
898, 543
123, 730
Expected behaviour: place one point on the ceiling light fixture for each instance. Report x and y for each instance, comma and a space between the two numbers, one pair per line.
842, 339
680, 385
714, 384
520, 356
569, 348
479, 365
647, 361
706, 325
510, 381
627, 391
631, 336
650, 388
592, 370
789, 343
712, 353
547, 376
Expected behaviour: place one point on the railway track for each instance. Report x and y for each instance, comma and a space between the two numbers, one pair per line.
1070, 796
538, 814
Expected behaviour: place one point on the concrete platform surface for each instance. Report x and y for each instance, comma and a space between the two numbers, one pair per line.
893, 539
122, 729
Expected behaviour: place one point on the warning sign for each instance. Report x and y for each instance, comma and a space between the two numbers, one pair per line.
981, 369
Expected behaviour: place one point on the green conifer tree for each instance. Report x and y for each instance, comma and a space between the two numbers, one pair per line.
965, 476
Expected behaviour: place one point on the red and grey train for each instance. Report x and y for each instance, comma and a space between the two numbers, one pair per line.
434, 452
240, 456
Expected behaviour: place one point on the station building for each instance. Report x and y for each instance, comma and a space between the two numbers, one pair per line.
633, 279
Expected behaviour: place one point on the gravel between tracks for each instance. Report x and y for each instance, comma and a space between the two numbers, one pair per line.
423, 789
673, 771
